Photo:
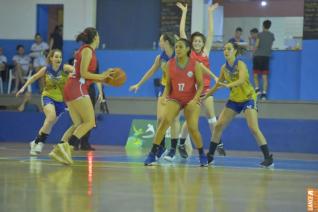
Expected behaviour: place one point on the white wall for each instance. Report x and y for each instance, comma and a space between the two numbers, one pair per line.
18, 17
282, 27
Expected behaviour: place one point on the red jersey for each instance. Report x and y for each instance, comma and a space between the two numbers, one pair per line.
203, 58
182, 81
76, 86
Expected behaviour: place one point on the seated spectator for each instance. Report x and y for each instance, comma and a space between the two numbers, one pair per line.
39, 51
3, 65
56, 38
237, 37
252, 39
22, 66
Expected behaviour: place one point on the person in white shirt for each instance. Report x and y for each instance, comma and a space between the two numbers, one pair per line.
38, 53
22, 66
3, 65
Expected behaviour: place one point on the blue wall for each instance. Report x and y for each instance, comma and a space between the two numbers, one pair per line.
282, 135
292, 73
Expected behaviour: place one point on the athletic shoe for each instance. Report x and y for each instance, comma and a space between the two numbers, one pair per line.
65, 150
268, 162
210, 158
150, 160
32, 148
55, 154
203, 160
220, 149
87, 147
264, 96
39, 147
171, 155
182, 151
161, 152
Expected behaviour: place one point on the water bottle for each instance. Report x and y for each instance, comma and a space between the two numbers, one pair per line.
154, 45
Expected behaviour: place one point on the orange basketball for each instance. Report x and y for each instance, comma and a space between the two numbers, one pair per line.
119, 78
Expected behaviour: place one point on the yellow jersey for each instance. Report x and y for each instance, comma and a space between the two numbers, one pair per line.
54, 82
242, 92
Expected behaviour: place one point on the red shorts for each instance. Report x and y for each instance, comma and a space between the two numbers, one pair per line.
74, 89
181, 101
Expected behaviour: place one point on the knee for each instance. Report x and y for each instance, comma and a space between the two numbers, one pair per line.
91, 123
164, 122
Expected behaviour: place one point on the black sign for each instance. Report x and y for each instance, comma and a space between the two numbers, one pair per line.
310, 20
171, 15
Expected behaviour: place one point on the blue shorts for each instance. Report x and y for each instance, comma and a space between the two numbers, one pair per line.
59, 106
241, 106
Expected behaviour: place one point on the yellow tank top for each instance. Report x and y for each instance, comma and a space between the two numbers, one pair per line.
240, 93
164, 75
54, 82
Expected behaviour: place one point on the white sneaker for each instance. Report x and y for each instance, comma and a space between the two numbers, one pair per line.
38, 147
32, 148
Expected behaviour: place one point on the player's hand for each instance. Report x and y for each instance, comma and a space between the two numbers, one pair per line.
184, 8
213, 7
21, 91
134, 88
109, 74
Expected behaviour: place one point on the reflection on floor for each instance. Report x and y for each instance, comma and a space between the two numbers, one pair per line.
112, 180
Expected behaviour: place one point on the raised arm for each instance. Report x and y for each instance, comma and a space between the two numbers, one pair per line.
155, 66
209, 39
184, 9
34, 77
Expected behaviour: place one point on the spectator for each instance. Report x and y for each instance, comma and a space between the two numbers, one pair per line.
237, 37
38, 53
56, 39
22, 66
261, 58
3, 65
252, 39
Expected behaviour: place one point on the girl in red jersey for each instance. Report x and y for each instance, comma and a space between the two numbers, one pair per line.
183, 90
76, 94
200, 50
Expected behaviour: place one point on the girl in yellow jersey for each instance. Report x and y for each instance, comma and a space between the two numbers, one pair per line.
166, 43
55, 75
234, 75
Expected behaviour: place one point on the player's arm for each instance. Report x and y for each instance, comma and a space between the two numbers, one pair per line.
217, 85
32, 79
199, 81
155, 66
86, 58
206, 70
209, 39
184, 9
68, 68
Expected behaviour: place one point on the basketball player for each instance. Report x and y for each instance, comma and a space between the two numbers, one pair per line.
183, 89
234, 75
166, 43
200, 50
55, 75
76, 94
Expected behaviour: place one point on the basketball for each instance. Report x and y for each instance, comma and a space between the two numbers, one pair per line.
119, 77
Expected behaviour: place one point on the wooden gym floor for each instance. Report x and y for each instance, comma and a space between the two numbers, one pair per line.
110, 180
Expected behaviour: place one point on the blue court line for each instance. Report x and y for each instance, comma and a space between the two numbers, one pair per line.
229, 162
